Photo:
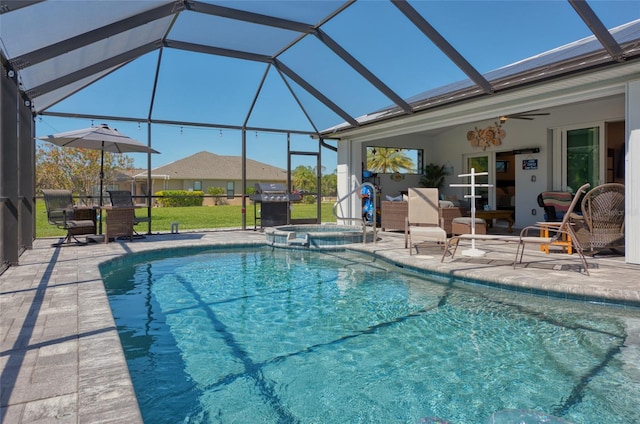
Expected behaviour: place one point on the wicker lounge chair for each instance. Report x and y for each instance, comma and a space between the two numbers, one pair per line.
124, 199
61, 212
423, 221
604, 215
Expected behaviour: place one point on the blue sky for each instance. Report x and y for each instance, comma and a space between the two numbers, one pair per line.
216, 90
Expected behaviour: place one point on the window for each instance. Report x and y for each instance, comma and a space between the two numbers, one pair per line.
583, 157
197, 185
230, 190
389, 160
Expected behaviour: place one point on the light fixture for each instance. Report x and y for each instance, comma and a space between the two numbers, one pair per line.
526, 151
11, 73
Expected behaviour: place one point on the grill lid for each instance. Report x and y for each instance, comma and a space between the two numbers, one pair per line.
273, 192
270, 188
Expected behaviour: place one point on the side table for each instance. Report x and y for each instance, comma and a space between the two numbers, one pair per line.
564, 240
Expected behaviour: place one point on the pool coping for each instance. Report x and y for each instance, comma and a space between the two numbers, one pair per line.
61, 354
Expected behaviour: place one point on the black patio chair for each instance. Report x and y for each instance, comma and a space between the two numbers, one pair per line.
124, 199
61, 212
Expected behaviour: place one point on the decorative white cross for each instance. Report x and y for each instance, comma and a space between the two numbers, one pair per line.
473, 196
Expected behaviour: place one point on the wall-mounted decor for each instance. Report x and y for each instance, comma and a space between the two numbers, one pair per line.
530, 164
485, 137
502, 166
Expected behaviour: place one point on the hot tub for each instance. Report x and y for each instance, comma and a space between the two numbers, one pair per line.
323, 236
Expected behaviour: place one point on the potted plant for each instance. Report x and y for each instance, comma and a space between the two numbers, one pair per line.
433, 175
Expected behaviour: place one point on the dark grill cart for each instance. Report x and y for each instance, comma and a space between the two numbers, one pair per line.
274, 201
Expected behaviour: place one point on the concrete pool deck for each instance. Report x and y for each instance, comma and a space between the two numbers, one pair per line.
61, 356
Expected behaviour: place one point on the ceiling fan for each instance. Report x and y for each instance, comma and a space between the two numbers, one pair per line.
528, 115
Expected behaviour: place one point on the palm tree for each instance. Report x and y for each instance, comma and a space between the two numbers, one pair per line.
388, 160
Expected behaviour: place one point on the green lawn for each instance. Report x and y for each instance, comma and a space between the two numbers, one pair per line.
189, 218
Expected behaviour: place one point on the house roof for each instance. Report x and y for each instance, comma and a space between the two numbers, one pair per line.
122, 175
209, 166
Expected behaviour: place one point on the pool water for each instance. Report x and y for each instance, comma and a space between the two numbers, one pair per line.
263, 335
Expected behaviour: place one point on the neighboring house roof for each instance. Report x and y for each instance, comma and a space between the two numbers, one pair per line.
209, 166
122, 175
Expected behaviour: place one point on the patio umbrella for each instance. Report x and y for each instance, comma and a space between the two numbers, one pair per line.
99, 138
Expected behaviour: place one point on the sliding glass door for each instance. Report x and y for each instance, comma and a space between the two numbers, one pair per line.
481, 163
582, 157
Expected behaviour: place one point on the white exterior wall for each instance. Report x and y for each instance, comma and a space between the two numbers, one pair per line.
349, 160
578, 101
451, 146
632, 174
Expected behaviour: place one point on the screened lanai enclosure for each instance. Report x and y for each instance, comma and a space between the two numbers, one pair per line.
282, 82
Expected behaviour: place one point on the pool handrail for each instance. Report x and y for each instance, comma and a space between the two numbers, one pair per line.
358, 189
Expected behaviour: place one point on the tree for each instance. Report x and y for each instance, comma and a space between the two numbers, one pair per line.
330, 184
388, 160
304, 178
77, 170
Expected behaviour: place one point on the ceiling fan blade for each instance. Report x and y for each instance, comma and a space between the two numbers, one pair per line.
529, 115
526, 115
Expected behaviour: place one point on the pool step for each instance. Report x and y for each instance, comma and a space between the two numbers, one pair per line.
298, 239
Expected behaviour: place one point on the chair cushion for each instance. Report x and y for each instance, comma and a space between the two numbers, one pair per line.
556, 204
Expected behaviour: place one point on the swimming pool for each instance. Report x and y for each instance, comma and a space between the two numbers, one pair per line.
297, 336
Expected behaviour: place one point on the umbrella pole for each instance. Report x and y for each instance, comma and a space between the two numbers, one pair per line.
101, 179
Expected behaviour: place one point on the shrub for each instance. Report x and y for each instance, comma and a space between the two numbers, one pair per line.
220, 193
173, 198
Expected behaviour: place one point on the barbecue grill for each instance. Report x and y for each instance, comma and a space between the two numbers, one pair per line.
274, 204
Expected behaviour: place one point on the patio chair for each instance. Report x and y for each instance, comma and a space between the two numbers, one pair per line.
564, 227
555, 204
61, 212
604, 216
124, 199
423, 222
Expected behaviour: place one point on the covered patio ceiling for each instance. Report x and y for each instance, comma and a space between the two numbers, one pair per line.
316, 67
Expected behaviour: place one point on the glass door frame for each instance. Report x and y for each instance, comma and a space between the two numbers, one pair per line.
559, 156
318, 156
491, 165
